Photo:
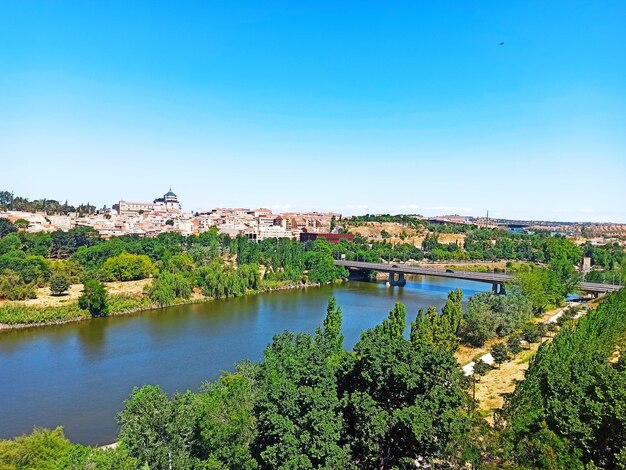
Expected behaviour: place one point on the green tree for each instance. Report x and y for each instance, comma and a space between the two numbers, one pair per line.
479, 324
158, 431
10, 242
43, 449
59, 284
513, 345
13, 287
94, 298
330, 336
530, 333
81, 457
440, 330
481, 367
6, 227
297, 410
401, 400
500, 353
167, 287
225, 424
127, 267
568, 412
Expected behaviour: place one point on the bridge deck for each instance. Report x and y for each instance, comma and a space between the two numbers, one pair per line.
490, 278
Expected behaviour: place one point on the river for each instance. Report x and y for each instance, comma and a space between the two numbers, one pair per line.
78, 374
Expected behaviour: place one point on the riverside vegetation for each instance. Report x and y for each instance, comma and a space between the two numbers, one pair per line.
391, 402
212, 265
182, 269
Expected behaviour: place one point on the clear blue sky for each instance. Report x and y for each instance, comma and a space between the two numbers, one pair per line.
349, 106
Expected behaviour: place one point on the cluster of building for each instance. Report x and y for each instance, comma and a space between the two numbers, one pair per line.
165, 214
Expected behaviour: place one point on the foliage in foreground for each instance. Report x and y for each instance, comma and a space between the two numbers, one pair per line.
570, 411
391, 401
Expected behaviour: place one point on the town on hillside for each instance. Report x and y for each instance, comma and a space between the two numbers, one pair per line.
165, 214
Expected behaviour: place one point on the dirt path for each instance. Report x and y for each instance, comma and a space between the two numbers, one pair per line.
494, 385
498, 382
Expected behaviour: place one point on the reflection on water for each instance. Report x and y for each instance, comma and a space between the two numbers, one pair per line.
77, 375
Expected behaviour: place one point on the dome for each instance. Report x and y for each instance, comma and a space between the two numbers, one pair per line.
170, 194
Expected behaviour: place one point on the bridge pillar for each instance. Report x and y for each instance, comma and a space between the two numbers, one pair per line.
498, 289
401, 281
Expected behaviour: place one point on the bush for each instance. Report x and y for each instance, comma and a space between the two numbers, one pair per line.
500, 353
167, 287
13, 287
94, 299
530, 333
127, 267
481, 367
43, 449
514, 345
59, 284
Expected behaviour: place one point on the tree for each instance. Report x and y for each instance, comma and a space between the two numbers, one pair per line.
530, 333
543, 330
401, 400
479, 324
82, 457
10, 242
298, 407
167, 287
156, 430
568, 412
127, 267
225, 425
94, 298
440, 330
59, 284
481, 367
514, 345
500, 353
13, 287
6, 227
22, 224
43, 449
330, 336
298, 419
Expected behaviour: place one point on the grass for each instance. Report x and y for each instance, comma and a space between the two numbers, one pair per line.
12, 314
125, 303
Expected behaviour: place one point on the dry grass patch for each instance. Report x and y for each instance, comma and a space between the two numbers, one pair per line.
496, 383
46, 299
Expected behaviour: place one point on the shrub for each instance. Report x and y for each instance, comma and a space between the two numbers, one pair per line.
43, 449
13, 287
127, 267
94, 299
500, 353
59, 284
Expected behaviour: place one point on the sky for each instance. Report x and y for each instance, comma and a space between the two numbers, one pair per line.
356, 107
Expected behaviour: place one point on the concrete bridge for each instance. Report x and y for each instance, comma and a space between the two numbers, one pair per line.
497, 280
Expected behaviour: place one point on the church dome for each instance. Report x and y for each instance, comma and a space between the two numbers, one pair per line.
170, 194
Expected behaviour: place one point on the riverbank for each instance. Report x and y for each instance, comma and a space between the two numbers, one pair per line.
122, 301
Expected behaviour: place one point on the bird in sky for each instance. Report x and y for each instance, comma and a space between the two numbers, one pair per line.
502, 44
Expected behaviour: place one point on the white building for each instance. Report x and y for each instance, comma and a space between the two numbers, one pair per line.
167, 203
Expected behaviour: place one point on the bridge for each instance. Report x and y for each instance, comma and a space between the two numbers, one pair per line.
497, 280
